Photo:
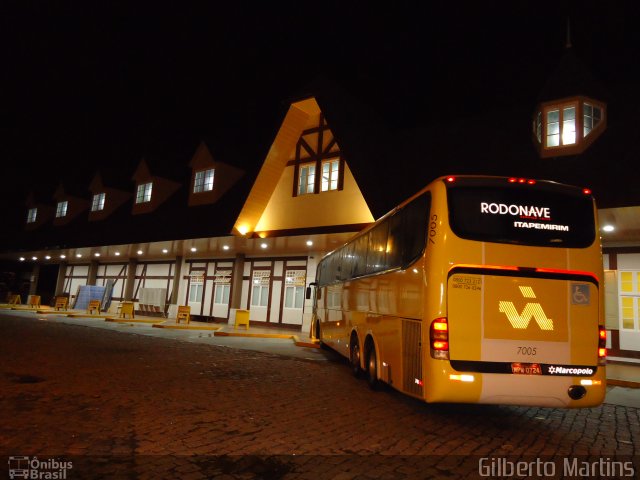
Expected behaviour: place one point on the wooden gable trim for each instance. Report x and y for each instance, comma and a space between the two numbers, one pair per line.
286, 139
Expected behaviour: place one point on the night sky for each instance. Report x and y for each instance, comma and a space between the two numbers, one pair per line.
89, 88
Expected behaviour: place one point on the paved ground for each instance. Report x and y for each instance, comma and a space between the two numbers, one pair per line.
136, 406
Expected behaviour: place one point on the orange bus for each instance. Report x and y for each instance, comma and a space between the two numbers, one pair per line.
474, 290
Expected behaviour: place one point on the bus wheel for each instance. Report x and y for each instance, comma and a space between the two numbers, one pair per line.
372, 366
354, 357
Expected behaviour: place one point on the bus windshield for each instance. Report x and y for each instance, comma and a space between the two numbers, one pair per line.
537, 215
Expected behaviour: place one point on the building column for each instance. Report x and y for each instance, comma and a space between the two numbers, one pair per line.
236, 282
62, 272
176, 281
131, 279
33, 280
93, 272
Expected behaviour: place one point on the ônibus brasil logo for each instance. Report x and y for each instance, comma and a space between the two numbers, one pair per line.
520, 321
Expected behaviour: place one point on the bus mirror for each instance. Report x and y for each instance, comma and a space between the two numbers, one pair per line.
308, 295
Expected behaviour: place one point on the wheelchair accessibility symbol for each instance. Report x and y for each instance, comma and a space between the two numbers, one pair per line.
580, 294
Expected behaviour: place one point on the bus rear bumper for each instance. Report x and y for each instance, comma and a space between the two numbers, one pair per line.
446, 385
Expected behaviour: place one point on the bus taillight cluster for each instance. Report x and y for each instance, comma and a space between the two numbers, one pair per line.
602, 346
439, 338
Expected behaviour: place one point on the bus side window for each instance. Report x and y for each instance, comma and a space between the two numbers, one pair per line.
394, 241
415, 220
360, 256
376, 254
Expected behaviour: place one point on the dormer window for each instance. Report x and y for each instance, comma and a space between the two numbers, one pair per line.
97, 203
591, 118
143, 194
61, 209
203, 181
567, 127
32, 214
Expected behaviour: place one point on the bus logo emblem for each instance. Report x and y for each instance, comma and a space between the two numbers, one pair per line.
521, 321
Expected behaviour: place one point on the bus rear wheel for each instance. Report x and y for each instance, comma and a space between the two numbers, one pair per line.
354, 357
372, 366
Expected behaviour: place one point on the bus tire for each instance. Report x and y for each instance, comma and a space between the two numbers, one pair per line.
354, 356
371, 365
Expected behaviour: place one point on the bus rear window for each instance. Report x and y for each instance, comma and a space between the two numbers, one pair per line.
538, 215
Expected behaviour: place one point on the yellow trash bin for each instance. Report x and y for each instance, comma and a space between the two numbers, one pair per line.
242, 318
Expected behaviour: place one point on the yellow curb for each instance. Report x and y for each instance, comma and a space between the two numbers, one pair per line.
256, 335
58, 312
174, 326
131, 320
86, 315
300, 343
614, 382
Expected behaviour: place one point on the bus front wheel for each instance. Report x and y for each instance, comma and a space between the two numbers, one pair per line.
354, 357
372, 366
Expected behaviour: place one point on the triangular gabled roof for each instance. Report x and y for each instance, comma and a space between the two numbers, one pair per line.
271, 206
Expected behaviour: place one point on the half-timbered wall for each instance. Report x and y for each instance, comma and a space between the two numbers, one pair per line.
273, 290
209, 287
116, 272
75, 276
154, 275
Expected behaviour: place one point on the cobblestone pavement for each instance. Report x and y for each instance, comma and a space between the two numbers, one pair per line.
134, 406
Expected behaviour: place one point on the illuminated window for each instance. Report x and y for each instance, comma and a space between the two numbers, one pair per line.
31, 215
591, 117
97, 203
629, 288
567, 127
260, 288
61, 209
195, 293
203, 181
307, 179
143, 193
330, 171
294, 288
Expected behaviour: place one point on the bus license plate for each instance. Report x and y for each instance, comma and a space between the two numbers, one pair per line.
526, 368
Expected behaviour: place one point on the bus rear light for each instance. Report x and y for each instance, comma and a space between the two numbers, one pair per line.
586, 191
513, 180
451, 179
461, 378
602, 345
439, 338
438, 345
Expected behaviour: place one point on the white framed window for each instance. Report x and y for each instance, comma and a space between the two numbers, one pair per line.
591, 117
203, 181
629, 300
260, 288
97, 203
307, 179
195, 293
32, 214
61, 209
143, 193
221, 294
330, 172
561, 125
537, 126
294, 288
222, 289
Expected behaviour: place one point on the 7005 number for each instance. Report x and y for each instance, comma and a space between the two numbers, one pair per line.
527, 350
